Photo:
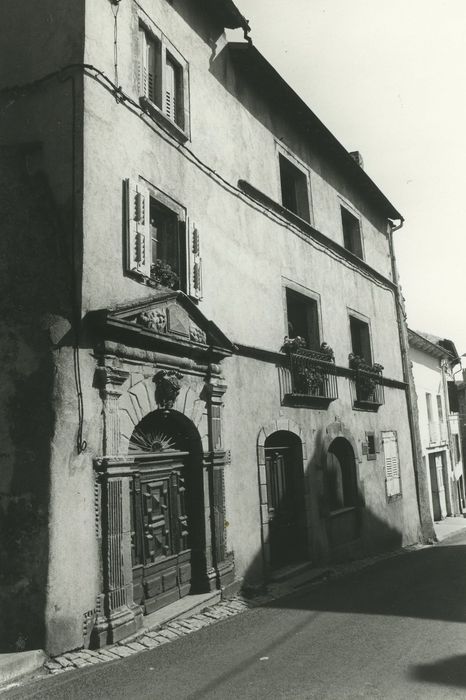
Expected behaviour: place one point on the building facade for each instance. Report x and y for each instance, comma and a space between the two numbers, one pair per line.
434, 360
205, 374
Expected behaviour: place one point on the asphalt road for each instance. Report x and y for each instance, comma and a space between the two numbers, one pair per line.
393, 630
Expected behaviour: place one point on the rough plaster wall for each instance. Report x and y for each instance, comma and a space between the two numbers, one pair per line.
28, 260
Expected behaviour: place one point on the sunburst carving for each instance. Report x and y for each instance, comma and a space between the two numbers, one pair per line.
142, 441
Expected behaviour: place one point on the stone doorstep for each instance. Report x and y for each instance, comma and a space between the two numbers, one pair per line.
16, 665
188, 606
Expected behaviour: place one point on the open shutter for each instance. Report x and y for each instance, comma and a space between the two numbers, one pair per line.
143, 63
170, 89
138, 255
392, 466
195, 263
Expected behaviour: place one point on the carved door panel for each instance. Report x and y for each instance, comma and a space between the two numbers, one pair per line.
159, 524
285, 508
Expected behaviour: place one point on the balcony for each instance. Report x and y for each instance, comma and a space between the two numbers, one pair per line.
309, 378
437, 432
367, 387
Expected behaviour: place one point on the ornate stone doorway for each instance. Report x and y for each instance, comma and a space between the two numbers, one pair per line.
168, 538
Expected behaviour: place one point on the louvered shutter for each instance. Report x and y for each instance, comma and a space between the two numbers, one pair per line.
195, 263
143, 65
392, 466
170, 90
138, 255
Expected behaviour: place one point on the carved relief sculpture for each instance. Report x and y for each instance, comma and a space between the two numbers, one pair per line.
167, 388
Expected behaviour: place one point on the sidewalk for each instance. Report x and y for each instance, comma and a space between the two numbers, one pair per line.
449, 526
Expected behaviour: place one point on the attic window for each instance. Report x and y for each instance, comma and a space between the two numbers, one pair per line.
294, 188
351, 232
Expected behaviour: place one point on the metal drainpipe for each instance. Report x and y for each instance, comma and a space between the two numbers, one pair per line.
425, 517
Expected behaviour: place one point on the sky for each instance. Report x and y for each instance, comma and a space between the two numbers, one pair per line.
389, 80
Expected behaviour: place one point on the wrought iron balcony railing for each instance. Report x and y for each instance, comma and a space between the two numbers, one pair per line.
368, 388
312, 374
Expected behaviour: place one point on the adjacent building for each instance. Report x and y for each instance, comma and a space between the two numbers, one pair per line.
204, 374
434, 360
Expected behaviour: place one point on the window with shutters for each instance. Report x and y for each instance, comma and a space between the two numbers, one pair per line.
163, 79
392, 464
163, 247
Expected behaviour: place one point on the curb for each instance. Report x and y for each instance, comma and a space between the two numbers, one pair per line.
13, 666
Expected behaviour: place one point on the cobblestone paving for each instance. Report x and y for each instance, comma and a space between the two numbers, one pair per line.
151, 639
182, 626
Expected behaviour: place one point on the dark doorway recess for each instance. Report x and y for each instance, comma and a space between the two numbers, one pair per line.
167, 510
285, 496
342, 493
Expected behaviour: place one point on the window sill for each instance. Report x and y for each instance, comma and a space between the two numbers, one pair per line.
366, 406
341, 511
394, 498
158, 116
149, 282
307, 401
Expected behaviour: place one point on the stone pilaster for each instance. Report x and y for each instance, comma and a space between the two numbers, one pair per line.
119, 616
110, 381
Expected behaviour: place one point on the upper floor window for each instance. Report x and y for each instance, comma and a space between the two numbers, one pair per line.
303, 318
163, 79
351, 232
360, 339
160, 249
294, 188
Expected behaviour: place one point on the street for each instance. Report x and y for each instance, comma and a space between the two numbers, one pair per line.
395, 629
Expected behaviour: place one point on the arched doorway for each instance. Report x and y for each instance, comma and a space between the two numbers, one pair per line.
167, 508
342, 493
285, 499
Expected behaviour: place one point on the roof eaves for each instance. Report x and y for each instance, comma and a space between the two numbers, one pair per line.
317, 125
421, 342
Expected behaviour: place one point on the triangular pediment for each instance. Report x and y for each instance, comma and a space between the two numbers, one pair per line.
168, 318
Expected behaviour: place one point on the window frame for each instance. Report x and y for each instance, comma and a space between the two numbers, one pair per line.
345, 206
362, 319
306, 294
180, 212
167, 52
304, 169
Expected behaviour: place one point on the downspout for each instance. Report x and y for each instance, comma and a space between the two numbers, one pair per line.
420, 476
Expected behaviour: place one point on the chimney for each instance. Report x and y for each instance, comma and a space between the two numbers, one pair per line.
358, 158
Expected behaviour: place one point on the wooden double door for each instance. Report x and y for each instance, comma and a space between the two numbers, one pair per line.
160, 527
287, 541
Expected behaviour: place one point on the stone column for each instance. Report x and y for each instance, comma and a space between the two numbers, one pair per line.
119, 616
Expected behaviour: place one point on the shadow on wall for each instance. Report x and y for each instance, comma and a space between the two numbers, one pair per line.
375, 536
32, 286
331, 523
